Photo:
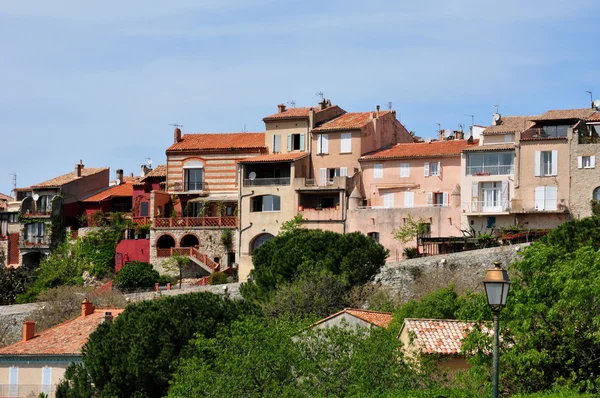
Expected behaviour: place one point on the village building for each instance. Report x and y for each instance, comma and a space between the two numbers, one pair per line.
355, 317
37, 363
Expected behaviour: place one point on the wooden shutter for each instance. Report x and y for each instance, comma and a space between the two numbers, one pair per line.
539, 198
551, 198
289, 143
325, 143
579, 162
537, 160
445, 200
474, 196
504, 195
319, 149
346, 143
323, 177
404, 169
554, 163
378, 170
429, 199
593, 162
388, 199
426, 169
301, 142
343, 171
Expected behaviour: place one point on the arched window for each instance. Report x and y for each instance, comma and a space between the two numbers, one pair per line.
266, 203
259, 240
189, 241
596, 194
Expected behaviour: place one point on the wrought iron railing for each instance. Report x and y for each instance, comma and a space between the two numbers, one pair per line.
481, 206
264, 182
187, 222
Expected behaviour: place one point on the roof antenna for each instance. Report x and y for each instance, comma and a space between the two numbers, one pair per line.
292, 103
244, 128
496, 106
390, 105
591, 97
14, 181
177, 126
320, 94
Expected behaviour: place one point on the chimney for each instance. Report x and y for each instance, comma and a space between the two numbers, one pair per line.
78, 167
281, 108
441, 135
145, 170
323, 104
377, 113
108, 317
28, 330
177, 135
87, 308
119, 176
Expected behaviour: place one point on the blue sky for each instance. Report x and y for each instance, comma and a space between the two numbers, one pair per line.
101, 81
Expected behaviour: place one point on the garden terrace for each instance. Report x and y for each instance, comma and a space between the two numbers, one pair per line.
196, 222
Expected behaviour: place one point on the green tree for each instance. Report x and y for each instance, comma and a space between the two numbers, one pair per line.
134, 356
410, 230
13, 281
177, 263
354, 257
293, 224
136, 275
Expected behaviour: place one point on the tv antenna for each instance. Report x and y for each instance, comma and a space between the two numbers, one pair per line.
472, 118
439, 127
497, 106
149, 161
14, 181
320, 94
390, 105
591, 96
292, 103
244, 130
176, 125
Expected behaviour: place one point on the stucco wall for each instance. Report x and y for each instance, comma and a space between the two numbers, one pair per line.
30, 375
283, 129
583, 181
334, 158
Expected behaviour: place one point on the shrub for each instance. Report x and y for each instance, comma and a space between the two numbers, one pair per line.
136, 275
411, 252
226, 237
218, 278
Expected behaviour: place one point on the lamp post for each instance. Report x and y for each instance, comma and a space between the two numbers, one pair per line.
496, 285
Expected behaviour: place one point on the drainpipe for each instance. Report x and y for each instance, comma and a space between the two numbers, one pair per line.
240, 214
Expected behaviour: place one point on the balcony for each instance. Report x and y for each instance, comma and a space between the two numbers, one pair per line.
140, 220
196, 222
490, 170
326, 214
486, 207
540, 206
35, 242
265, 182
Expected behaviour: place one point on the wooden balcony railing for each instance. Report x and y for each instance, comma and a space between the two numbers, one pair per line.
186, 222
140, 220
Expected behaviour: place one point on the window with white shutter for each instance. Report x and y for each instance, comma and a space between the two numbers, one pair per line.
343, 171
13, 381
445, 199
546, 198
429, 199
322, 144
586, 162
409, 199
46, 379
426, 169
404, 169
388, 199
378, 170
276, 143
434, 168
346, 143
323, 177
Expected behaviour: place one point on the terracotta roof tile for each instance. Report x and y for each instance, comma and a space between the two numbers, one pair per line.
510, 124
493, 147
219, 141
348, 121
421, 150
276, 157
565, 114
594, 117
159, 171
438, 336
70, 177
5, 197
122, 190
65, 339
380, 319
298, 113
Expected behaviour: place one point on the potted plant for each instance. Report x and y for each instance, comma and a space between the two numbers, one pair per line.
300, 208
337, 206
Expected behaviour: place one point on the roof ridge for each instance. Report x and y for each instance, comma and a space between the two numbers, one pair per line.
371, 311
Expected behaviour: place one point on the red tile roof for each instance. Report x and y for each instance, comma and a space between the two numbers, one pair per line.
437, 336
64, 339
565, 114
292, 113
348, 121
421, 150
159, 171
70, 177
5, 197
510, 124
276, 157
595, 117
493, 147
118, 191
380, 319
219, 141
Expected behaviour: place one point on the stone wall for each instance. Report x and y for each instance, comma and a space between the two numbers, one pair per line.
3, 253
411, 279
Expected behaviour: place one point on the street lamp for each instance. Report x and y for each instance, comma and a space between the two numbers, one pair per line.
496, 285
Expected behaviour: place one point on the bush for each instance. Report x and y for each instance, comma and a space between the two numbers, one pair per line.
13, 282
218, 278
164, 279
411, 252
226, 237
136, 275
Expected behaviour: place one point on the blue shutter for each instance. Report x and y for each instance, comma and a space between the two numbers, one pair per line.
301, 142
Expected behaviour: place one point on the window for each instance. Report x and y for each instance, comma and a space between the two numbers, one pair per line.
434, 169
13, 381
194, 209
346, 143
229, 211
440, 199
194, 179
546, 163
404, 169
46, 380
586, 162
374, 236
378, 170
231, 259
259, 240
144, 209
44, 204
388, 199
409, 199
322, 144
491, 222
35, 232
596, 195
555, 131
546, 198
276, 143
266, 203
295, 142
494, 163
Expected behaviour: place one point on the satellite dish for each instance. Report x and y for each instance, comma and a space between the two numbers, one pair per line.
596, 104
496, 117
149, 161
252, 176
36, 197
